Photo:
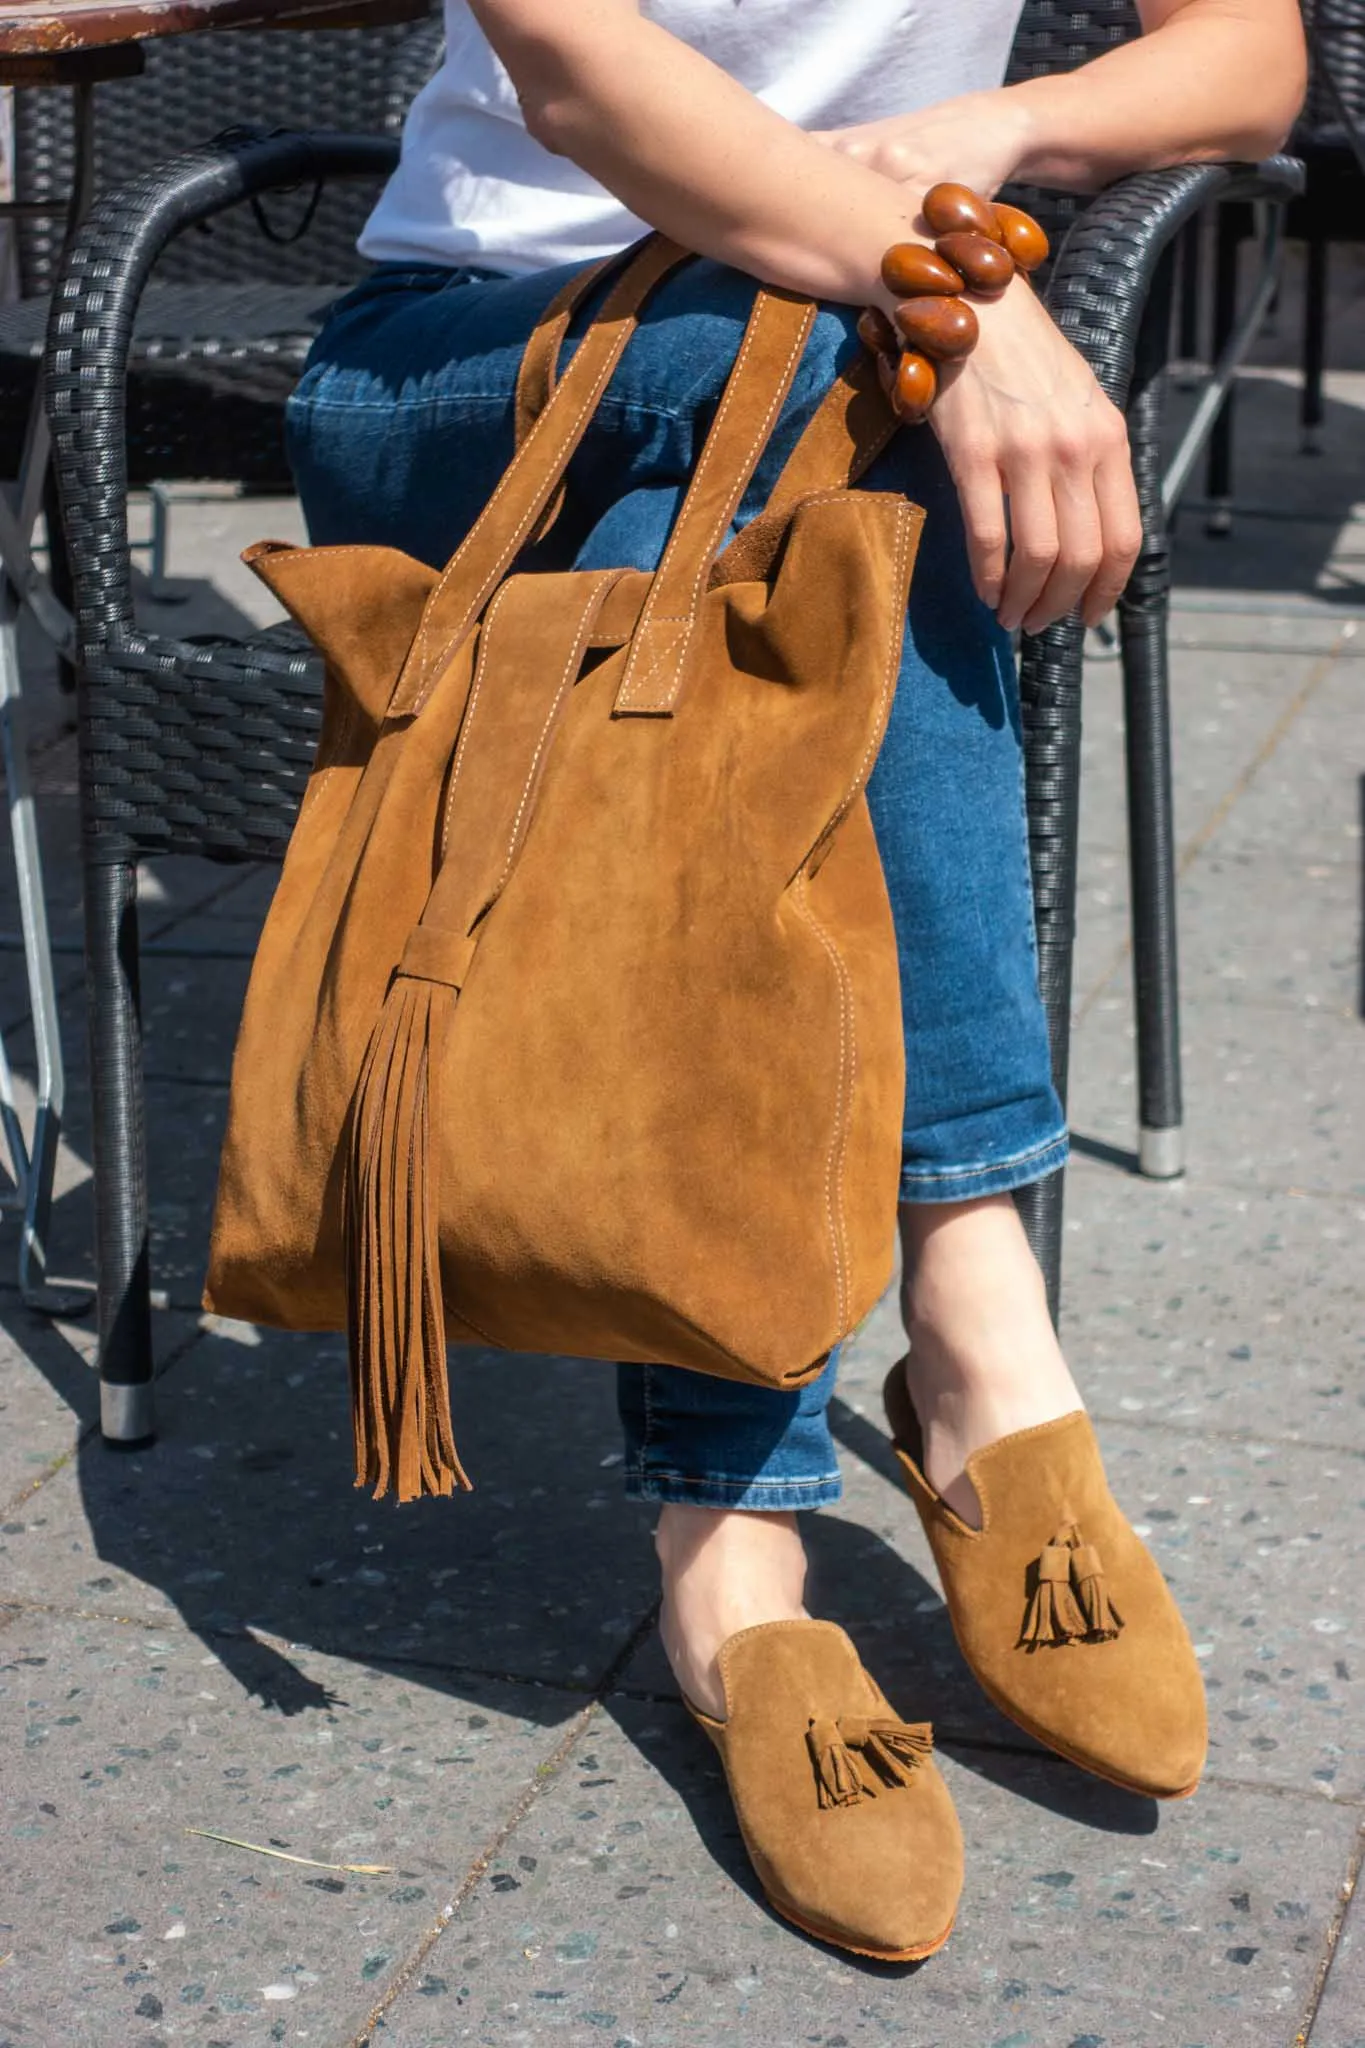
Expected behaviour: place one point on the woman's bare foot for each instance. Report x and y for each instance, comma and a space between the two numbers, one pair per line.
723, 1569
984, 1358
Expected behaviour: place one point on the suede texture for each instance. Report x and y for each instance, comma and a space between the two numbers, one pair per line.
876, 1868
1059, 1609
575, 1024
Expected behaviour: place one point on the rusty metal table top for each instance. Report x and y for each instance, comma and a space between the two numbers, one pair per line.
36, 30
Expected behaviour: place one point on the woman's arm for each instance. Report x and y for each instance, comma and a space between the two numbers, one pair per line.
692, 152
1208, 79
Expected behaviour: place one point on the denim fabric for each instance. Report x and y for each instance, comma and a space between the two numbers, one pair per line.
399, 431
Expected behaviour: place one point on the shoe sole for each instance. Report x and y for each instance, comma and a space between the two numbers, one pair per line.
879, 1955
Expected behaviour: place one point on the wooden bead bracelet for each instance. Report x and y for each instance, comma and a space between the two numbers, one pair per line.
979, 244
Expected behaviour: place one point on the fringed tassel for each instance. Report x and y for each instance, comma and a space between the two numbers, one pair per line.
898, 1748
400, 1396
838, 1780
895, 1749
1102, 1619
1052, 1615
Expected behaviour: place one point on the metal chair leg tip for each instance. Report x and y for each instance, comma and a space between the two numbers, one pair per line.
1161, 1153
127, 1415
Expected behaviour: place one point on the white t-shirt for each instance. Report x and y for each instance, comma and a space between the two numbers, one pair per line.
474, 188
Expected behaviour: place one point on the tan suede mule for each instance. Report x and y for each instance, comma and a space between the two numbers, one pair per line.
847, 1823
1059, 1609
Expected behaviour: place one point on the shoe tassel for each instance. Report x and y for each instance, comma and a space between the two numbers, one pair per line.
1069, 1601
851, 1753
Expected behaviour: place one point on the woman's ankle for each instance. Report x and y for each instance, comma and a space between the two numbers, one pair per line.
984, 1358
723, 1570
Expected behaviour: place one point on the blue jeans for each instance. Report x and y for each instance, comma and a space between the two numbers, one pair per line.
398, 433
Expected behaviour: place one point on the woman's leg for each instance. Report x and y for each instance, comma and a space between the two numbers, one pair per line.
730, 1466
982, 1117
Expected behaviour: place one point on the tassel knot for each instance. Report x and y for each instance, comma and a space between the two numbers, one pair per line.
854, 1753
1068, 1601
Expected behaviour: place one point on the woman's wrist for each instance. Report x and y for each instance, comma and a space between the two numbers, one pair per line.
980, 249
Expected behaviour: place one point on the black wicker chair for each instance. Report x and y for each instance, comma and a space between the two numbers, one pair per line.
205, 748
222, 330
1329, 140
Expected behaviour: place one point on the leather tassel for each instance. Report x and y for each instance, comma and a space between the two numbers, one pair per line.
1102, 1619
1052, 1615
898, 1748
894, 1749
400, 1395
838, 1779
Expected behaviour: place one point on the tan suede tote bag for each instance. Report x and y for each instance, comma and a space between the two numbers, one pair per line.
575, 1023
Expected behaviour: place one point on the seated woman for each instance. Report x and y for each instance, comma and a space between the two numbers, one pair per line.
792, 141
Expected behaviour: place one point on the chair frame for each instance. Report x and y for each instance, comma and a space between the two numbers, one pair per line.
151, 711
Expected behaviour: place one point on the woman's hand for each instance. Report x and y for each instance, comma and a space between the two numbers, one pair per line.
979, 140
1023, 422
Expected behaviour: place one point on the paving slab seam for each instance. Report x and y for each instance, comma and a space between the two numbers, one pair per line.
1329, 1947
546, 1775
1201, 838
1223, 1436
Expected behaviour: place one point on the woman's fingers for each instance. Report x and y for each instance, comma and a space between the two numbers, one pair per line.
1121, 518
1034, 539
1080, 541
982, 498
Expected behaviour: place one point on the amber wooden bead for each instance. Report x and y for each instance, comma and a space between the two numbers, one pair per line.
875, 332
941, 328
914, 389
1022, 236
955, 209
984, 266
911, 270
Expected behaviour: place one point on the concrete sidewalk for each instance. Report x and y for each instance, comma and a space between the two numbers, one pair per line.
220, 1638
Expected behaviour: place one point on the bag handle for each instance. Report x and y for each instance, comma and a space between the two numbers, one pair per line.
754, 395
849, 429
502, 528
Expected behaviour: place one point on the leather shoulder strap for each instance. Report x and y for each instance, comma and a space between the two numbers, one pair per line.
498, 534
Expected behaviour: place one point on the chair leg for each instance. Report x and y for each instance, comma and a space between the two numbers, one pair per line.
120, 1155
1314, 344
1219, 487
1050, 698
34, 1164
1143, 620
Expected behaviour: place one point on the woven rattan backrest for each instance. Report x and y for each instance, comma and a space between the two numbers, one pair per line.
1336, 42
1055, 35
359, 81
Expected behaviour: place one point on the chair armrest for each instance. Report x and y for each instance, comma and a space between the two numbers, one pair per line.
90, 328
1105, 267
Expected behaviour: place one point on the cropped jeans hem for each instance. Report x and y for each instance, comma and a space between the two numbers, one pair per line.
994, 1177
713, 1490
